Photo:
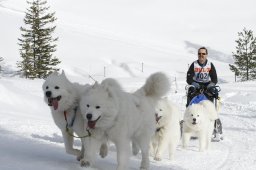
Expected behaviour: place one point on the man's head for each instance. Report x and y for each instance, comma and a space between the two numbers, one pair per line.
202, 55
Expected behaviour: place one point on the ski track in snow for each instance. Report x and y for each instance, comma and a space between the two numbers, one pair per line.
238, 135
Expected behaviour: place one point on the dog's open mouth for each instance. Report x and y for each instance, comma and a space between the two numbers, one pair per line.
194, 123
54, 102
91, 124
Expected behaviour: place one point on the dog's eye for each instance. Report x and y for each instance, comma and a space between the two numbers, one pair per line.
88, 105
47, 87
97, 107
197, 115
192, 115
161, 110
56, 87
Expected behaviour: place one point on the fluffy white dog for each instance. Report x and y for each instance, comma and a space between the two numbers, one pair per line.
167, 134
199, 121
63, 98
122, 117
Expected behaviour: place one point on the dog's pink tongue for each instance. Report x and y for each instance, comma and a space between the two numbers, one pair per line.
91, 124
55, 104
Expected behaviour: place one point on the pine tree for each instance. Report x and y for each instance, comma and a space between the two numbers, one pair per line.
245, 55
37, 44
26, 65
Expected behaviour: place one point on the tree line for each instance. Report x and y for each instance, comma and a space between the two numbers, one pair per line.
37, 46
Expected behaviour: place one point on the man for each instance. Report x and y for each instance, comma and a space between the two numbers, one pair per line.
202, 75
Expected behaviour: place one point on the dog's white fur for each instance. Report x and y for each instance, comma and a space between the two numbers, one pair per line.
167, 134
204, 115
69, 93
123, 117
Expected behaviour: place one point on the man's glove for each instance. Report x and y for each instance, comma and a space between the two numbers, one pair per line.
210, 85
196, 85
213, 91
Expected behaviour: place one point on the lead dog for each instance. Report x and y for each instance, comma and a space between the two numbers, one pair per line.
63, 98
122, 117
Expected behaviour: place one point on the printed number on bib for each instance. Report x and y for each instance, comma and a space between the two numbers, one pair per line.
202, 76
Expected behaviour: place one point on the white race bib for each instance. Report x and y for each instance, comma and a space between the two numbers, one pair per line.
202, 73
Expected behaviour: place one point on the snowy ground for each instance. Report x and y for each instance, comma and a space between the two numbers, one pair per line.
120, 37
30, 140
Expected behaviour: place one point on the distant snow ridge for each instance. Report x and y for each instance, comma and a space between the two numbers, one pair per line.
213, 54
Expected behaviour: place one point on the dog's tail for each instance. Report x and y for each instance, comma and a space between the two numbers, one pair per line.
156, 86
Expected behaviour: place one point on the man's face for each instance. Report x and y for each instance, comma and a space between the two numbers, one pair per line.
202, 56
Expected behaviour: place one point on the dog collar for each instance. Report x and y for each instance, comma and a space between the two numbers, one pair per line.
73, 118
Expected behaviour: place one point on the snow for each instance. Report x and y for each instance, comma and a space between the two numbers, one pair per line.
120, 37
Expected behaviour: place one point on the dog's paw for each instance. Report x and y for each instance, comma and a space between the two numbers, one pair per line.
144, 166
103, 150
157, 158
79, 157
84, 163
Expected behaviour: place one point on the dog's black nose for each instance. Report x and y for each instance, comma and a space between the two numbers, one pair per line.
194, 119
89, 116
48, 94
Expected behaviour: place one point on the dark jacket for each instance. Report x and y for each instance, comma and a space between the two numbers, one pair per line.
191, 73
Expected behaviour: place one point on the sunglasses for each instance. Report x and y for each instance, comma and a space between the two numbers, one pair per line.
202, 53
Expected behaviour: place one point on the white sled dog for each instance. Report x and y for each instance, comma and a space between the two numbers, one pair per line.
122, 117
199, 121
63, 98
167, 134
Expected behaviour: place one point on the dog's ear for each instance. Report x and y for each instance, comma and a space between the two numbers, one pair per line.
63, 76
63, 73
96, 84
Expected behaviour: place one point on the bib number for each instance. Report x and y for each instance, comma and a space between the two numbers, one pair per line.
202, 76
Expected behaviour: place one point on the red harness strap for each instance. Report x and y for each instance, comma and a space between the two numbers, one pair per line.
71, 134
65, 115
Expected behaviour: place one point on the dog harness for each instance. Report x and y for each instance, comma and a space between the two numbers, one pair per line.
70, 125
73, 118
197, 99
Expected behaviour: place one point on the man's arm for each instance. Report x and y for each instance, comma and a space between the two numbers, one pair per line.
213, 74
190, 74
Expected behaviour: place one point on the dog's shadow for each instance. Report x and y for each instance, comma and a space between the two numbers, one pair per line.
55, 138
